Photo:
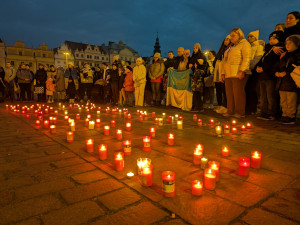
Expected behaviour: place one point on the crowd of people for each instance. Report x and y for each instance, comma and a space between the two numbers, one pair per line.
245, 75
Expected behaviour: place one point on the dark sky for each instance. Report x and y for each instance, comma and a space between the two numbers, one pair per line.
136, 22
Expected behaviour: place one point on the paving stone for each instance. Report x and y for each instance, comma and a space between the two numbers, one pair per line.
143, 213
16, 182
31, 221
74, 214
88, 177
119, 198
10, 166
6, 197
173, 222
68, 162
283, 207
261, 217
291, 194
43, 188
90, 190
19, 211
49, 159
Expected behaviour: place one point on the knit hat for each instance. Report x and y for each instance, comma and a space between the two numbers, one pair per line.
278, 35
139, 59
295, 39
130, 68
255, 34
157, 55
228, 36
70, 63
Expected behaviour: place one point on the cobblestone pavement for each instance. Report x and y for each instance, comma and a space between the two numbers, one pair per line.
44, 180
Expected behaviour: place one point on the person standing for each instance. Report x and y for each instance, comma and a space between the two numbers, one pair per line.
40, 86
139, 78
24, 80
50, 83
209, 94
156, 73
86, 78
71, 82
60, 84
9, 78
129, 86
2, 84
179, 58
235, 63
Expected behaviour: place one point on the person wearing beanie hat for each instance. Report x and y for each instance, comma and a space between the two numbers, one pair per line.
40, 83
266, 79
129, 86
285, 83
71, 82
156, 72
139, 78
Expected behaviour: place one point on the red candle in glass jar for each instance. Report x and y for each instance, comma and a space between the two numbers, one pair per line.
40, 117
255, 159
211, 122
248, 126
119, 134
37, 122
198, 153
128, 126
233, 122
215, 166
127, 147
152, 132
168, 179
195, 117
78, 116
67, 118
197, 187
89, 116
51, 109
89, 145
171, 139
199, 122
27, 116
146, 176
226, 129
225, 152
209, 179
180, 118
46, 111
70, 106
119, 161
54, 120
23, 111
46, 124
98, 123
102, 149
243, 128
170, 119
56, 112
153, 114
86, 122
106, 130
129, 116
146, 143
244, 166
70, 136
234, 130
156, 121
112, 123
52, 129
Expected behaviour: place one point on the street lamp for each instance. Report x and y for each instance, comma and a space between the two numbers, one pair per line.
66, 54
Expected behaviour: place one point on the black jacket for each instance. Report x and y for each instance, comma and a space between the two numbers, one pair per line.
169, 63
194, 59
177, 60
114, 76
291, 30
287, 83
268, 62
41, 76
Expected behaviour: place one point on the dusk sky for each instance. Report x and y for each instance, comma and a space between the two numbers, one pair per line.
136, 22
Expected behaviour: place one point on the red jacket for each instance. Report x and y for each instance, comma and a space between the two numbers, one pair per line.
128, 82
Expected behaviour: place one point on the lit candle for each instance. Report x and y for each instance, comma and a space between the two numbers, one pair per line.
40, 117
129, 116
156, 121
143, 162
248, 125
234, 130
219, 131
98, 113
153, 114
66, 113
86, 122
56, 112
215, 166
152, 132
27, 116
70, 106
176, 117
141, 117
46, 124
119, 161
112, 123
78, 116
244, 166
195, 117
37, 122
255, 159
106, 130
146, 143
225, 152
197, 187
54, 120
233, 123
168, 178
102, 149
52, 129
211, 122
89, 116
51, 109
89, 145
127, 147
128, 126
146, 176
180, 118
199, 122
179, 125
209, 179
119, 134
98, 123
243, 128
91, 125
171, 139
203, 163
170, 119
67, 118
130, 175
226, 129
160, 122
70, 136
164, 115
197, 156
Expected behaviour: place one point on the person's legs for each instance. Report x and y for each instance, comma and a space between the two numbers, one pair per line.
141, 94
263, 97
283, 103
270, 89
219, 92
239, 95
158, 92
153, 88
291, 104
89, 88
22, 94
229, 95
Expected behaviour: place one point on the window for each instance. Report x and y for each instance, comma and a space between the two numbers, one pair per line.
77, 55
30, 64
95, 57
44, 55
12, 63
58, 62
102, 58
20, 53
82, 55
106, 58
125, 58
88, 56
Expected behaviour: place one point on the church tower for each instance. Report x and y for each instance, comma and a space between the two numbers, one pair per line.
156, 46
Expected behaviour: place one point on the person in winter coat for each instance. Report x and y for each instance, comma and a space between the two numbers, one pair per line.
114, 82
2, 84
257, 50
219, 85
285, 83
86, 78
60, 84
198, 86
184, 64
139, 78
266, 77
24, 80
179, 58
122, 96
209, 94
129, 86
40, 79
71, 82
235, 64
50, 83
169, 64
197, 56
156, 73
10, 75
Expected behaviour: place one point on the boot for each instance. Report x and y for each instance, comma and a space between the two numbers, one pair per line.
158, 103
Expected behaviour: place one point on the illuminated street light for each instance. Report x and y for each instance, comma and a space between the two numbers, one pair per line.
66, 54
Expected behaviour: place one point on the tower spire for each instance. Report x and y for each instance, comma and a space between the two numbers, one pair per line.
157, 45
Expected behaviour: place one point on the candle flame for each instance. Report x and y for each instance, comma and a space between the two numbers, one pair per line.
90, 141
256, 153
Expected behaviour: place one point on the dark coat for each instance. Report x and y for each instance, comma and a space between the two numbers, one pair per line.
41, 76
195, 57
114, 76
287, 83
291, 30
177, 60
169, 63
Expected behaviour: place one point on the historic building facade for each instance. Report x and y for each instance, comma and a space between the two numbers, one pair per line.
2, 53
62, 56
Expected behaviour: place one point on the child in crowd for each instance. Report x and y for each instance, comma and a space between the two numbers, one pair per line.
266, 77
122, 97
129, 86
114, 82
198, 87
285, 83
50, 83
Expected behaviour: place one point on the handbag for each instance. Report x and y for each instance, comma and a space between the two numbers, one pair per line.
296, 75
17, 88
39, 90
